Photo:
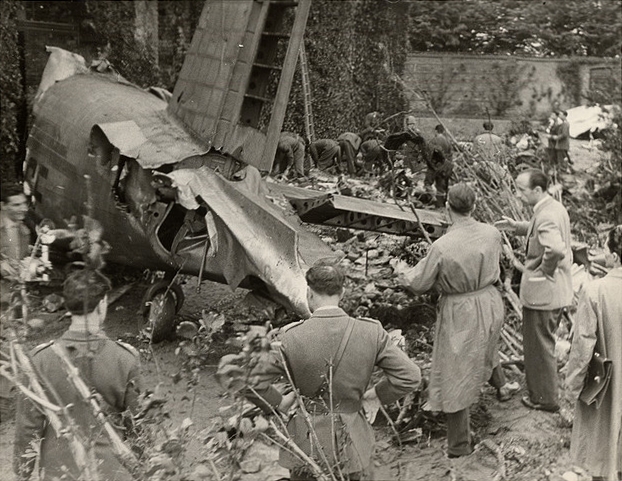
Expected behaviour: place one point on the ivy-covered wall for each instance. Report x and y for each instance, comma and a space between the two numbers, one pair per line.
349, 46
11, 92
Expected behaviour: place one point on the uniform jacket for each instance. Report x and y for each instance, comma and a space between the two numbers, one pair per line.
110, 368
547, 280
290, 151
464, 265
351, 138
307, 347
596, 442
439, 143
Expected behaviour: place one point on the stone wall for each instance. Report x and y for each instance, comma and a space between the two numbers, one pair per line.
509, 87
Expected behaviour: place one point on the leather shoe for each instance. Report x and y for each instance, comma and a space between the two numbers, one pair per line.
540, 407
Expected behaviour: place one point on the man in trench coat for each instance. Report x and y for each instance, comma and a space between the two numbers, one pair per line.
464, 265
355, 347
596, 442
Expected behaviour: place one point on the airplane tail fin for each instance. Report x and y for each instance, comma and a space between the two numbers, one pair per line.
234, 85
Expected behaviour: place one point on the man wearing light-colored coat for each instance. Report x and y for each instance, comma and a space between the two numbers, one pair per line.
546, 285
464, 266
596, 442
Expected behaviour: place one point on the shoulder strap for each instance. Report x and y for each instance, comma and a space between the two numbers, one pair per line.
344, 342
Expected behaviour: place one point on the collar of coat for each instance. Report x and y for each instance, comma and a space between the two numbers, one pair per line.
332, 311
546, 200
617, 272
83, 336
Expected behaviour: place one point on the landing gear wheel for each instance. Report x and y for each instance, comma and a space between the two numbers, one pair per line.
160, 304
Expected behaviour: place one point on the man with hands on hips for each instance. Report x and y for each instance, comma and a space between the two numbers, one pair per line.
340, 413
546, 285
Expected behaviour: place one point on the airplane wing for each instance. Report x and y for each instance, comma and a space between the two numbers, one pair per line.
254, 237
316, 207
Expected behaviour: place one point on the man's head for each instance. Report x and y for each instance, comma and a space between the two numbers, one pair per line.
532, 186
614, 245
461, 199
439, 129
14, 202
325, 284
85, 291
488, 126
410, 123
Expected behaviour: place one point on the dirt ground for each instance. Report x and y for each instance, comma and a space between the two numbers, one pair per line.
534, 444
516, 444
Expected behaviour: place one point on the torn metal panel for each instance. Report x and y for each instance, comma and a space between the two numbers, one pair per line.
125, 136
100, 100
255, 239
343, 211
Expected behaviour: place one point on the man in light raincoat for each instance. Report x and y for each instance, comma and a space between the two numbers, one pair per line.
596, 442
464, 266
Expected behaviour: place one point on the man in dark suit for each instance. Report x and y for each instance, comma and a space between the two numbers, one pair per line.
440, 166
354, 347
546, 285
562, 140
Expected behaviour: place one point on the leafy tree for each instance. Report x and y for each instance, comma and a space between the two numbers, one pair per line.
573, 27
113, 24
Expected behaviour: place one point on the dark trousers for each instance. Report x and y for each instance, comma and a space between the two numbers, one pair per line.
459, 442
540, 363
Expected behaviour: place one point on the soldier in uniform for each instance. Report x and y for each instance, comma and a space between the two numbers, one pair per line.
356, 347
110, 368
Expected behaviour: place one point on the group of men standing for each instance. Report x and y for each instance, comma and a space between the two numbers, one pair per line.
464, 266
331, 356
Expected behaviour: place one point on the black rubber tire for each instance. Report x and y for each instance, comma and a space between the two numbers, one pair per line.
159, 306
161, 316
161, 287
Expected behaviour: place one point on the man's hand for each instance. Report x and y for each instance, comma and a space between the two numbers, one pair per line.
371, 405
287, 402
506, 224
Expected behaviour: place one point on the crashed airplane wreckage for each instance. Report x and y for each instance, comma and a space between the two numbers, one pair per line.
176, 182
